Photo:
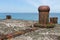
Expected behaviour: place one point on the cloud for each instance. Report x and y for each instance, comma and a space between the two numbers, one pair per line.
25, 5
31, 2
54, 4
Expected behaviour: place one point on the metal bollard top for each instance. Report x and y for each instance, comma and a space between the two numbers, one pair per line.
44, 9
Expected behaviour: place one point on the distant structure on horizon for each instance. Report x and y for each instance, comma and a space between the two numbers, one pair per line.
8, 16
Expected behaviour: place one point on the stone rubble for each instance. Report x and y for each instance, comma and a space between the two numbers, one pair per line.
40, 34
10, 26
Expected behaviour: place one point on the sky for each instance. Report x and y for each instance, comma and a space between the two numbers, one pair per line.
25, 6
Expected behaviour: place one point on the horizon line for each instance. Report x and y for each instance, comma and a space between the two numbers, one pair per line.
26, 12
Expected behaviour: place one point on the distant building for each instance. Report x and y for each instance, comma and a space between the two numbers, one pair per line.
44, 14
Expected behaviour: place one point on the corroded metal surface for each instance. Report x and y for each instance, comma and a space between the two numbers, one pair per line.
8, 16
43, 9
54, 20
43, 14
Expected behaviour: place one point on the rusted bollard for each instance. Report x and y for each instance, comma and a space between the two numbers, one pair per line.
43, 14
8, 17
12, 35
54, 20
2, 37
9, 36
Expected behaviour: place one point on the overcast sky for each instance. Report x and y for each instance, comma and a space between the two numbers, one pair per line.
28, 5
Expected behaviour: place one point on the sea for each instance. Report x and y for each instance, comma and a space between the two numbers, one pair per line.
28, 16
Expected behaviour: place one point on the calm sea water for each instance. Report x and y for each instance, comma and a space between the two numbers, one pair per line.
27, 16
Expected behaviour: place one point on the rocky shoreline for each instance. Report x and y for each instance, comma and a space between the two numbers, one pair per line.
11, 26
7, 26
41, 34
